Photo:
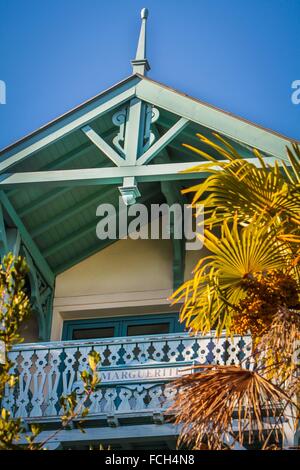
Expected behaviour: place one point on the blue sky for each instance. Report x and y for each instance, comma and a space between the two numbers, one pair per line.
241, 56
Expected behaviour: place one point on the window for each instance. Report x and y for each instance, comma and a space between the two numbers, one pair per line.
121, 326
153, 329
91, 333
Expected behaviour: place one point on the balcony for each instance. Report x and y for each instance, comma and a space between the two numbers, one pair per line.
134, 372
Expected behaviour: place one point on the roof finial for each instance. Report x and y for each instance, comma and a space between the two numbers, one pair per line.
140, 64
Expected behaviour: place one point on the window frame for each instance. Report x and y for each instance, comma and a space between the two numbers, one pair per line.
120, 323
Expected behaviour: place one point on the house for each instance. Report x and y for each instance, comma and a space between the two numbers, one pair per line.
87, 292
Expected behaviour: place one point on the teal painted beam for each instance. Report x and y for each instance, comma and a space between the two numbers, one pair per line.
105, 148
212, 118
49, 315
66, 158
10, 240
96, 176
46, 198
40, 261
134, 131
60, 162
173, 195
112, 175
71, 211
41, 298
107, 101
162, 142
189, 136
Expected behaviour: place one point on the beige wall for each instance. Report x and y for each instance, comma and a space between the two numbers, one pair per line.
128, 277
125, 266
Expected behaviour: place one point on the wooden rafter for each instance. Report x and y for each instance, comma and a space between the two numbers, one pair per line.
39, 259
162, 142
107, 102
102, 145
111, 175
212, 118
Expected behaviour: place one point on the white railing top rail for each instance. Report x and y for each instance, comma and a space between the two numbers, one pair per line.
121, 340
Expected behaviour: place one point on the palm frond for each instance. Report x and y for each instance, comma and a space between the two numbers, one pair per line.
210, 299
293, 173
246, 189
222, 401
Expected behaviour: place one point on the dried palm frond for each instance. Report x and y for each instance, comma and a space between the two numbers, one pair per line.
276, 351
221, 401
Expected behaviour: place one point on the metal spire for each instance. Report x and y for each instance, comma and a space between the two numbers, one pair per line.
140, 64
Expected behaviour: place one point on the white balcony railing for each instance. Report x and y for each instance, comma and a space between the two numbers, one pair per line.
134, 371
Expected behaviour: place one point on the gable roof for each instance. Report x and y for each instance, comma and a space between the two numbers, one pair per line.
162, 96
52, 180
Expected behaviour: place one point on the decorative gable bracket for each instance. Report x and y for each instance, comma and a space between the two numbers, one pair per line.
135, 143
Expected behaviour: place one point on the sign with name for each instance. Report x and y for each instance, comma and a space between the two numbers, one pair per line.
143, 374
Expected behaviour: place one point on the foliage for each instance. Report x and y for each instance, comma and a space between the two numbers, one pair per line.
14, 309
15, 304
267, 294
248, 283
245, 190
222, 280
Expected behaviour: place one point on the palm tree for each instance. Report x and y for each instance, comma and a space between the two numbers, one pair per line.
249, 282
